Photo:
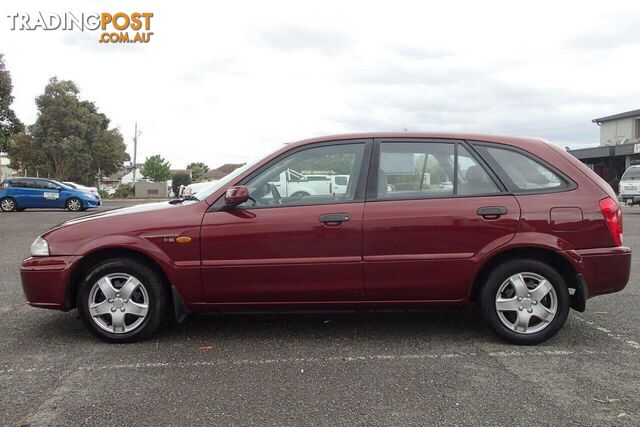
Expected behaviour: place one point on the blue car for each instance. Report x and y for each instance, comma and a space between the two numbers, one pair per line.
18, 194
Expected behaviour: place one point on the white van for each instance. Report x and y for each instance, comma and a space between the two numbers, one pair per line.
629, 187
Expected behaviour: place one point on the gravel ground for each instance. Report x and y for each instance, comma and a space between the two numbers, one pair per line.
439, 366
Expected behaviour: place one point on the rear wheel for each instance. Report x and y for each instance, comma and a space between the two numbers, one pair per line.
74, 204
525, 301
122, 300
8, 204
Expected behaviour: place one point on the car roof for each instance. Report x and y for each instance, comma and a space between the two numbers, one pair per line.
518, 141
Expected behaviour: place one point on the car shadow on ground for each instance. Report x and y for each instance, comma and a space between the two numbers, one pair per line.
426, 325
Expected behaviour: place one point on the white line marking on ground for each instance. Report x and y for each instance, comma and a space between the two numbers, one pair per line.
610, 334
258, 362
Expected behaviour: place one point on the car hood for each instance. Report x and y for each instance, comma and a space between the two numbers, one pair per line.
120, 213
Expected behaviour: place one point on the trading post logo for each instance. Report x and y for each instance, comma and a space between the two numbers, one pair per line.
117, 27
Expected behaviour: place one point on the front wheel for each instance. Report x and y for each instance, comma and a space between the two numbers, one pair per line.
74, 204
525, 301
122, 300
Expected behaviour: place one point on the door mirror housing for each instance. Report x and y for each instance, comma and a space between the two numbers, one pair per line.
236, 195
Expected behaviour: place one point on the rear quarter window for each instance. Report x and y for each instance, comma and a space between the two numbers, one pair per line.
522, 172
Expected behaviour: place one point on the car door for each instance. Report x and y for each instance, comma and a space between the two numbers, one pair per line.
433, 209
28, 193
301, 248
48, 195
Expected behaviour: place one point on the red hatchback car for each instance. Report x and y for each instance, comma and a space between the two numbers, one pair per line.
515, 224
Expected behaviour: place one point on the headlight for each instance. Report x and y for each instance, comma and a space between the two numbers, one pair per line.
40, 247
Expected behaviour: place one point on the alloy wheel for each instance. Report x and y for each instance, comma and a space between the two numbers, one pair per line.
8, 205
74, 205
526, 303
118, 303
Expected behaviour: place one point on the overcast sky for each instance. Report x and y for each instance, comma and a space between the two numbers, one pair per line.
222, 81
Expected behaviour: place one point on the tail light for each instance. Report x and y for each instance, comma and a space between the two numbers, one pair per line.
613, 215
330, 187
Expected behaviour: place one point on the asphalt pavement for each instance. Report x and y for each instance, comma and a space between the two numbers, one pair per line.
382, 368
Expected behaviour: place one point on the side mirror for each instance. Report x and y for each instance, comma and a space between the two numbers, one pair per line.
236, 195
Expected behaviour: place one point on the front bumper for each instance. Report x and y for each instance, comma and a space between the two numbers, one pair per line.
605, 270
45, 280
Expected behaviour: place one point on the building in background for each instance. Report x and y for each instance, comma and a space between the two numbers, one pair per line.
5, 170
619, 146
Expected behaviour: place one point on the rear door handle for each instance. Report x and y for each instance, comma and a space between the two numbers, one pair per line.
334, 219
491, 211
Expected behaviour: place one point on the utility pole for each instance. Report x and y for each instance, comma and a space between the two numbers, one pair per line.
135, 152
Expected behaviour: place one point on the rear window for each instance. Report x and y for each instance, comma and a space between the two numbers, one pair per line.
631, 174
525, 173
341, 180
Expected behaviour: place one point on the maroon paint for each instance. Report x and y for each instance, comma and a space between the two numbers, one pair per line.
390, 254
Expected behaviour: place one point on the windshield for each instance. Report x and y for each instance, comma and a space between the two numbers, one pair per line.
215, 186
632, 173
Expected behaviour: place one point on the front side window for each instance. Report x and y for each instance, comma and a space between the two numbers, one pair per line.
524, 172
416, 170
305, 177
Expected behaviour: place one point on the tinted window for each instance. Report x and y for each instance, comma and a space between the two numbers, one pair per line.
287, 182
341, 180
46, 185
472, 178
426, 170
631, 174
415, 170
524, 172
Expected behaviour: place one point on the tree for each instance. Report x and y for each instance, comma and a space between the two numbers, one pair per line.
178, 180
9, 122
70, 140
156, 168
197, 169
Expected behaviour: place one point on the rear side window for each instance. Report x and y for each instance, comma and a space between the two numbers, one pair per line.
416, 170
524, 173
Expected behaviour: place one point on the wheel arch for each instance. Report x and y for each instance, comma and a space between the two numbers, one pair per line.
99, 255
552, 257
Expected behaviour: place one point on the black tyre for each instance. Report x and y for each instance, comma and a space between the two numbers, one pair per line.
300, 194
8, 204
122, 300
74, 204
525, 301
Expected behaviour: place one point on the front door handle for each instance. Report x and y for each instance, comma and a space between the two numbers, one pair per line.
491, 212
334, 219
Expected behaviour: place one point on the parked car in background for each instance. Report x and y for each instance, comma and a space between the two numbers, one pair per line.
291, 183
92, 190
18, 194
516, 224
194, 188
339, 183
629, 188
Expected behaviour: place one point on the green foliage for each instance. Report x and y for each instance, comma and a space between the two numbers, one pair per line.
197, 170
103, 194
70, 140
124, 191
156, 168
9, 122
338, 164
178, 180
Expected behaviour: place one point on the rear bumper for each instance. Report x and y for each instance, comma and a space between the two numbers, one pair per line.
629, 198
605, 270
45, 279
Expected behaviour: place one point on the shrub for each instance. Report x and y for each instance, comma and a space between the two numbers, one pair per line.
124, 191
103, 194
